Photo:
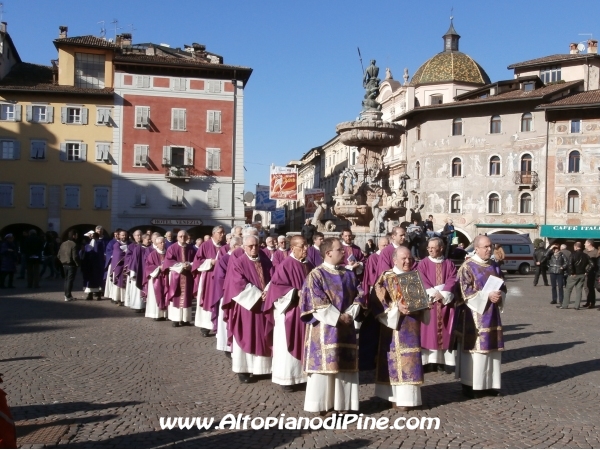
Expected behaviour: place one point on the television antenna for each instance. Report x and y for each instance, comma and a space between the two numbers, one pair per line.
102, 29
2, 11
115, 22
131, 30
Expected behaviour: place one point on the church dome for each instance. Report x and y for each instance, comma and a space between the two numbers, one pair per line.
450, 66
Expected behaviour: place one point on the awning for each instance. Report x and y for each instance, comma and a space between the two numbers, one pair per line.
509, 226
571, 231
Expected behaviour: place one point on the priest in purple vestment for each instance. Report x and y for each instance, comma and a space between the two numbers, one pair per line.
478, 325
92, 265
156, 283
281, 252
313, 255
439, 279
331, 301
224, 337
282, 302
178, 260
245, 290
204, 268
117, 264
399, 372
270, 249
353, 255
386, 257
134, 264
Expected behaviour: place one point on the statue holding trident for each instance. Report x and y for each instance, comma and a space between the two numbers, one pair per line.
371, 85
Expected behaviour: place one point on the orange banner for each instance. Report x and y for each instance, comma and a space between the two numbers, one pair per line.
310, 197
284, 183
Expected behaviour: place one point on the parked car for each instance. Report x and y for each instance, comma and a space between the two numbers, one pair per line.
518, 250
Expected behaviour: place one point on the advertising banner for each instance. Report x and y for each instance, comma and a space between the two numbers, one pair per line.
278, 217
263, 202
284, 183
310, 197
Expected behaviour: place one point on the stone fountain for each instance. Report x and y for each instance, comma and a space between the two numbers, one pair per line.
360, 192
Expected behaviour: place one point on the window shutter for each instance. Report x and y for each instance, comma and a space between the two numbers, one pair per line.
63, 151
182, 84
84, 116
209, 158
145, 116
29, 113
137, 155
211, 121
101, 198
217, 126
83, 152
63, 114
167, 155
189, 156
16, 149
174, 196
209, 198
138, 116
17, 113
99, 152
217, 159
100, 115
49, 114
145, 154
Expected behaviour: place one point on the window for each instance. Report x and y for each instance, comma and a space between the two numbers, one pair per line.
574, 161
495, 165
495, 125
73, 151
417, 170
418, 133
37, 196
103, 116
102, 151
526, 163
529, 86
74, 115
6, 195
550, 74
38, 150
576, 126
214, 122
457, 127
520, 249
213, 158
214, 86
10, 149
437, 99
176, 196
573, 204
140, 196
178, 156
71, 197
39, 113
526, 122
456, 167
101, 197
89, 71
455, 205
140, 155
525, 204
142, 116
212, 198
178, 119
493, 204
10, 112
178, 84
142, 81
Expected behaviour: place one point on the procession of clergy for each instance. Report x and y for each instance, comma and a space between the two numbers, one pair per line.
311, 313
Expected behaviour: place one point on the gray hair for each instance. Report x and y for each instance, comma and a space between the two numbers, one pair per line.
237, 227
249, 238
157, 238
281, 238
218, 227
99, 227
439, 241
249, 231
235, 240
563, 246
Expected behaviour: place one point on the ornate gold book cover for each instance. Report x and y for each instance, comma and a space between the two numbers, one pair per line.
413, 292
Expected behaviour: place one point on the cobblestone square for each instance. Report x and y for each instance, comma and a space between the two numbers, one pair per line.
90, 374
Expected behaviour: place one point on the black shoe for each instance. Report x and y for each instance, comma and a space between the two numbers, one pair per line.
586, 305
494, 393
186, 324
205, 332
287, 388
546, 285
89, 297
228, 355
244, 378
175, 324
440, 368
449, 369
591, 306
467, 391
160, 319
553, 302
121, 304
479, 394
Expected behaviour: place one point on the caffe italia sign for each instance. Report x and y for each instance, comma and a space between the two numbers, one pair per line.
177, 222
571, 231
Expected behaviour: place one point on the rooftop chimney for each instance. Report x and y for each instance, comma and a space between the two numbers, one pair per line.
3, 27
199, 49
592, 46
119, 41
126, 42
63, 32
573, 48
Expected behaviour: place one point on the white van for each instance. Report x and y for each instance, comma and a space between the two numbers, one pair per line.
518, 250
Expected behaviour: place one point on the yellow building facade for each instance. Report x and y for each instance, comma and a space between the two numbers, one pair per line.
56, 134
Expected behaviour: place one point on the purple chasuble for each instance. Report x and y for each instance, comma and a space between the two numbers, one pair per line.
92, 267
181, 286
270, 253
224, 250
118, 264
134, 262
252, 330
438, 333
279, 256
219, 285
204, 280
160, 283
370, 275
480, 332
352, 250
330, 349
313, 255
290, 274
399, 357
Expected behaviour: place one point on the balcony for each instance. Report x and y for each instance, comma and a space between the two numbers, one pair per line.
526, 180
174, 173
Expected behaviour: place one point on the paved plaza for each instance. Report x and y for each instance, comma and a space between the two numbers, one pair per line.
90, 374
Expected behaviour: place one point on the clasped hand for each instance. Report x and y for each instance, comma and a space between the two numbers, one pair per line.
495, 296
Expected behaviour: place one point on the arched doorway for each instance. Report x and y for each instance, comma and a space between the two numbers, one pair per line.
200, 231
19, 229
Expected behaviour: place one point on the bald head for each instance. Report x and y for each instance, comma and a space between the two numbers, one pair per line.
403, 260
483, 247
383, 242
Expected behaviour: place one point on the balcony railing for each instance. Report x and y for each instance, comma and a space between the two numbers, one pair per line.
178, 173
526, 178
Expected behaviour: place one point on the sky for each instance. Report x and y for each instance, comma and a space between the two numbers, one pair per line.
307, 76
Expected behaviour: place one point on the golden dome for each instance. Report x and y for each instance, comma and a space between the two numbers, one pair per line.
450, 67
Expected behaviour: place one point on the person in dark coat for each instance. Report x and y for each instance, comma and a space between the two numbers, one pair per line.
32, 252
8, 261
